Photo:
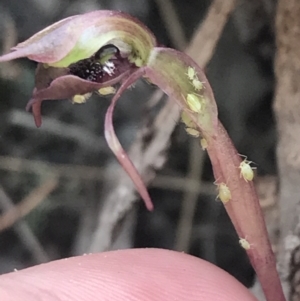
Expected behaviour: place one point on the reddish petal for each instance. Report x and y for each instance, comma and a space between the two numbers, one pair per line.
56, 83
80, 36
50, 44
117, 148
36, 111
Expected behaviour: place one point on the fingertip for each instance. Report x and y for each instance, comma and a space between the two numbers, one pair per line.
131, 275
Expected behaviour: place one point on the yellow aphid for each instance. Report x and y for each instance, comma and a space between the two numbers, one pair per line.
244, 243
193, 132
186, 119
246, 170
191, 73
197, 84
136, 60
81, 98
194, 103
224, 193
107, 90
203, 143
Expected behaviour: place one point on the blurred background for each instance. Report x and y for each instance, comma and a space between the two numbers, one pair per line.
62, 174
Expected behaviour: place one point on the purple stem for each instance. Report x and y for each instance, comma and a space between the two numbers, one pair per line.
245, 212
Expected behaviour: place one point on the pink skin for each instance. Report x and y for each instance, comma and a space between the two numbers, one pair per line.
131, 275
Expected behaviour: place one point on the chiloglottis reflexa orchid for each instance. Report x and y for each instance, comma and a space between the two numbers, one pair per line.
94, 52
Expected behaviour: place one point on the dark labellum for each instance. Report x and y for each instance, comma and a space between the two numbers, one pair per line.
99, 67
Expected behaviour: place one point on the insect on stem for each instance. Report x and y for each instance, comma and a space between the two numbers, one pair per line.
246, 170
244, 243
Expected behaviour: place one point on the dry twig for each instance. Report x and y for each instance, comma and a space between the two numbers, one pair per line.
21, 227
30, 202
59, 129
8, 70
172, 23
190, 198
287, 64
84, 172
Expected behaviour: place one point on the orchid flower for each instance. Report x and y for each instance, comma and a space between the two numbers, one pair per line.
101, 50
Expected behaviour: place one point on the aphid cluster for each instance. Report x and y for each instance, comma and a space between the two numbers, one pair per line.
107, 90
194, 101
246, 170
191, 127
192, 75
81, 98
95, 68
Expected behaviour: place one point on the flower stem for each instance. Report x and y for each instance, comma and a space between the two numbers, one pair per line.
245, 212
